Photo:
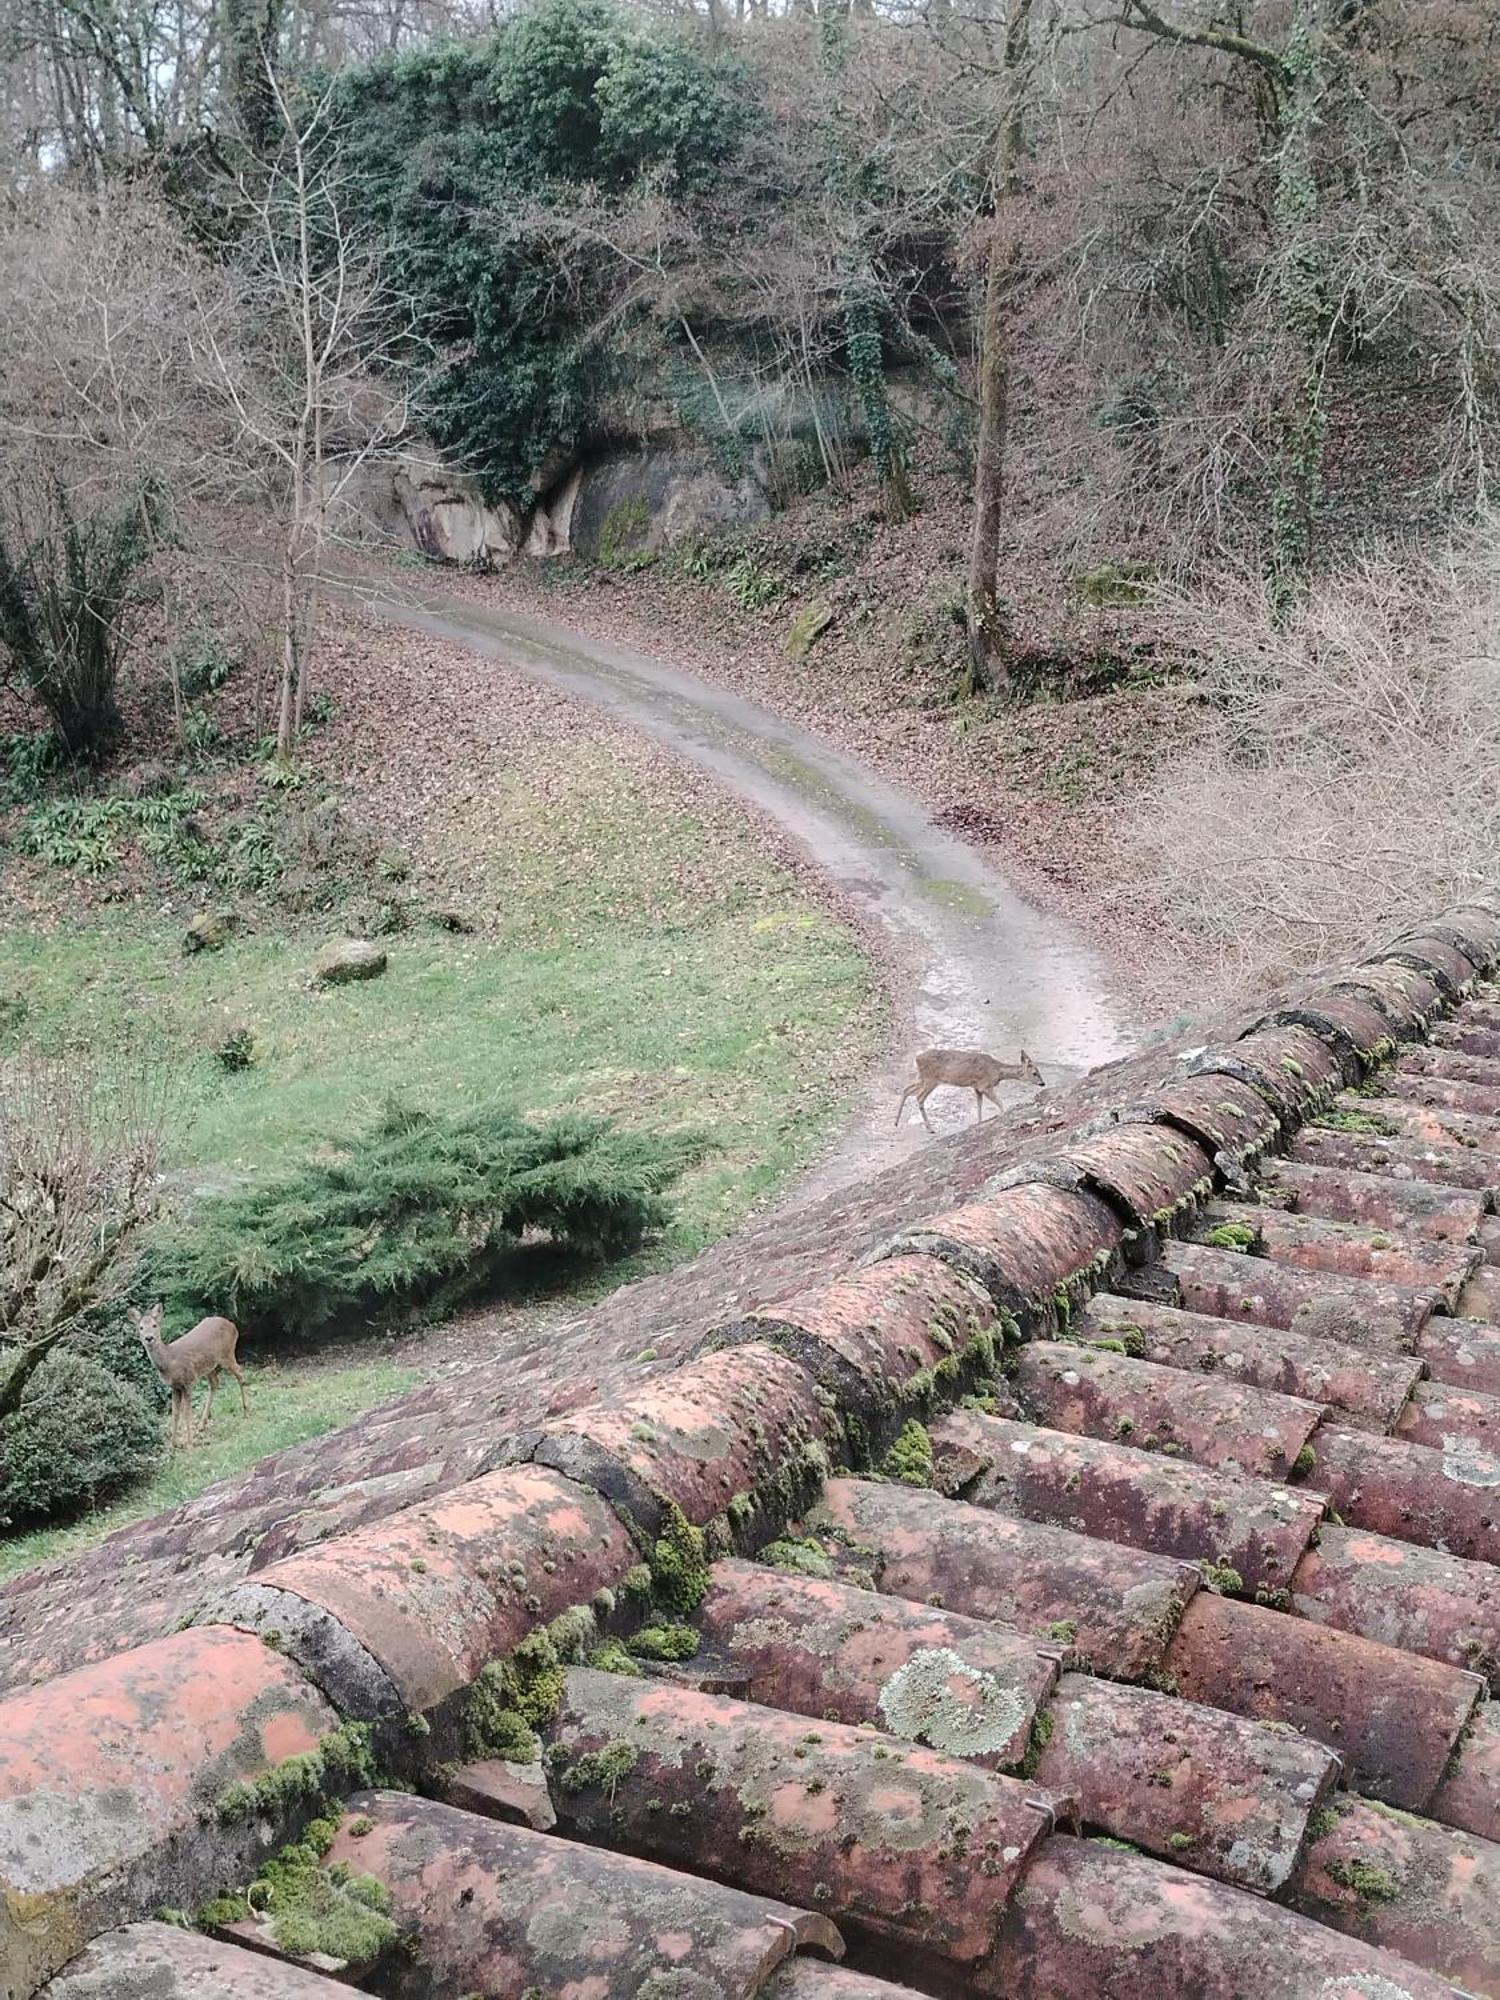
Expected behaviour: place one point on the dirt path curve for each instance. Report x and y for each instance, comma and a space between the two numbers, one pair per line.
974, 966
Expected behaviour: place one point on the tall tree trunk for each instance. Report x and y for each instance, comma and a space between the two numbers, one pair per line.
988, 636
1306, 318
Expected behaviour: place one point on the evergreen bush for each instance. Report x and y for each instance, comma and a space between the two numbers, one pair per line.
81, 1432
420, 1210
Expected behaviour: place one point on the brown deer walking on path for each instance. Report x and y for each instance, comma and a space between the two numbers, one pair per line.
204, 1349
968, 1069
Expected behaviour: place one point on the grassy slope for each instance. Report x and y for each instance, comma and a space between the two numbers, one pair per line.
638, 951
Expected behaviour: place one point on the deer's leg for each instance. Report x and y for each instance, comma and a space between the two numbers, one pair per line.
208, 1408
179, 1404
909, 1090
979, 1107
922, 1096
990, 1094
239, 1375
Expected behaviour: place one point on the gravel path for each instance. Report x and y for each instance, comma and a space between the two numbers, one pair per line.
972, 964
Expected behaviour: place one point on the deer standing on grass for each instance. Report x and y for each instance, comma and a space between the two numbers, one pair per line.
968, 1069
205, 1349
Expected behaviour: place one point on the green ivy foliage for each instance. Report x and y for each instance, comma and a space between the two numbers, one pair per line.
455, 147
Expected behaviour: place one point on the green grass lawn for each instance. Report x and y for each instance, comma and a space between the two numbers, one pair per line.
637, 954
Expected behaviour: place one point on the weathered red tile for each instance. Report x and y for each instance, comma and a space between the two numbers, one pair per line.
1400, 1159
1445, 1499
1462, 1352
1092, 1923
1427, 1892
1392, 1717
1469, 1795
1115, 1607
1475, 1100
1148, 1171
1109, 1490
1213, 1792
1351, 1023
1433, 1124
724, 1425
1448, 1418
867, 1337
1360, 1312
151, 1961
1408, 998
826, 1649
1292, 1066
1404, 1595
1309, 1243
1213, 1421
808, 1979
516, 1793
1021, 1244
906, 1843
1468, 1035
1480, 1298
1447, 962
1380, 1201
1223, 1115
506, 1912
1474, 927
436, 1592
1367, 1389
1456, 1065
104, 1774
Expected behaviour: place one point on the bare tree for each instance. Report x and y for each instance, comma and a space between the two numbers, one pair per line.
987, 633
312, 358
80, 1147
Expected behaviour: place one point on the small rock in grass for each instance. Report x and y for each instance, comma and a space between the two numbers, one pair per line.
355, 958
210, 930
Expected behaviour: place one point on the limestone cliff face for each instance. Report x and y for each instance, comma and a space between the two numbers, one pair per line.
612, 505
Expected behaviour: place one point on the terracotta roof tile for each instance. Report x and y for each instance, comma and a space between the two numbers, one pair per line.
1360, 1312
1395, 1719
1092, 1923
1212, 1420
1401, 1159
1477, 1034
866, 1338
874, 1738
503, 1911
1367, 1389
721, 1426
1309, 1243
151, 1961
1116, 1607
1228, 1118
1451, 1419
1403, 1595
826, 1649
1424, 1891
1379, 1201
1020, 1243
901, 1840
1446, 1500
1223, 1796
1118, 1493
104, 1775
436, 1592
1479, 1100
